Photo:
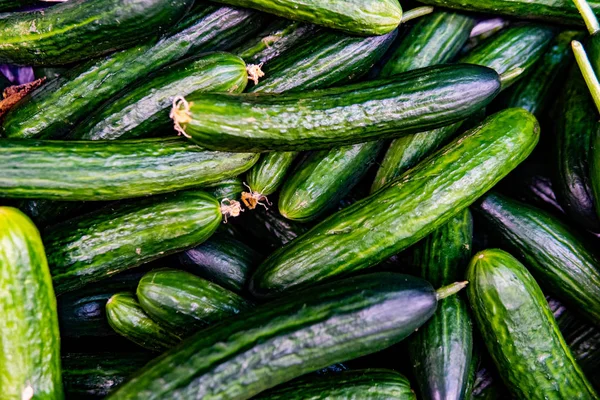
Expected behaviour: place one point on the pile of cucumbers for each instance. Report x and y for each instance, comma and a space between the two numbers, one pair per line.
300, 199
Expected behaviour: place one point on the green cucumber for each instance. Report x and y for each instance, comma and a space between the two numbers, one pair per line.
222, 260
414, 101
407, 210
104, 170
363, 17
441, 350
48, 212
285, 339
184, 303
368, 384
128, 319
265, 177
226, 189
555, 253
54, 109
520, 332
100, 244
29, 336
78, 29
144, 110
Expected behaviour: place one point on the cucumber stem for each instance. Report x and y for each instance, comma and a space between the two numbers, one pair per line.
510, 75
416, 13
180, 114
254, 72
449, 290
230, 208
587, 71
591, 22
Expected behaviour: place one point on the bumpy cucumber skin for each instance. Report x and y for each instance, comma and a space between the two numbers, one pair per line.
183, 302
368, 384
230, 188
144, 110
407, 210
408, 103
268, 173
97, 245
29, 335
441, 350
520, 332
104, 170
128, 319
555, 254
54, 109
282, 340
78, 30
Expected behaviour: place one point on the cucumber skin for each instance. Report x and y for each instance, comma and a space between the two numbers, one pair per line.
362, 17
296, 121
406, 210
29, 334
229, 188
527, 347
78, 30
354, 317
555, 254
184, 303
441, 350
55, 108
368, 384
105, 170
270, 170
97, 245
144, 110
128, 319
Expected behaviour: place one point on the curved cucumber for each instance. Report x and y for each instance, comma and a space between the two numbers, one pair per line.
556, 254
235, 359
144, 110
57, 107
407, 210
268, 173
97, 245
129, 320
84, 170
29, 336
520, 332
78, 29
414, 101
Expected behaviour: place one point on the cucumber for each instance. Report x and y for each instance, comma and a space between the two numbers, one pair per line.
246, 355
48, 212
520, 332
554, 253
100, 244
29, 336
265, 177
128, 319
414, 101
363, 17
441, 350
368, 384
184, 303
83, 170
54, 109
222, 260
144, 110
229, 188
407, 210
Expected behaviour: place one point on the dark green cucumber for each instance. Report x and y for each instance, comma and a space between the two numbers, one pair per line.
104, 170
48, 212
222, 260
94, 375
12, 4
57, 107
555, 254
78, 29
368, 384
323, 178
363, 17
128, 319
441, 350
265, 177
520, 332
410, 102
144, 110
30, 340
407, 210
100, 244
304, 332
184, 303
226, 189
